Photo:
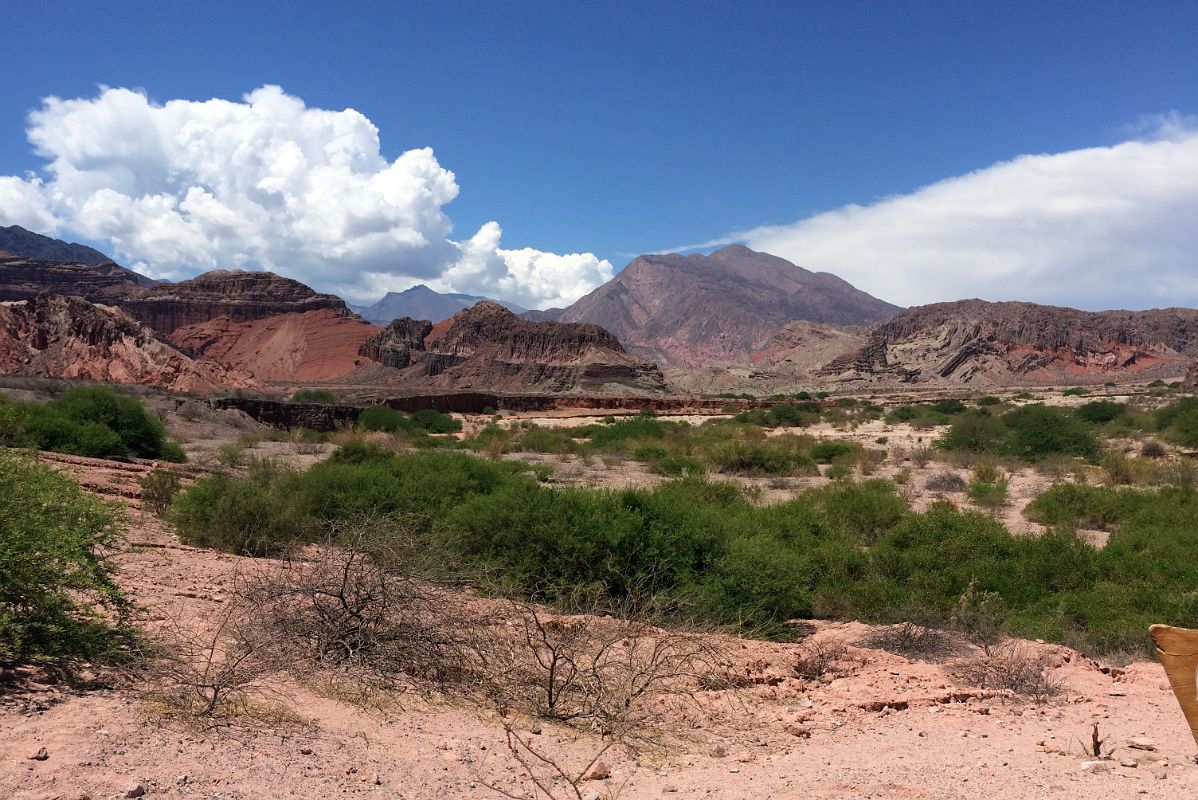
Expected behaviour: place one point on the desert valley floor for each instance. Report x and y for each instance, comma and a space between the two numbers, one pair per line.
872, 725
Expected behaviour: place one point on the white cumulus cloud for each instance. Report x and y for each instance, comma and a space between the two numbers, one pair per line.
267, 183
1103, 227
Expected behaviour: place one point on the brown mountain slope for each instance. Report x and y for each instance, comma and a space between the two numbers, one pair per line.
66, 337
489, 347
236, 295
309, 346
701, 309
973, 341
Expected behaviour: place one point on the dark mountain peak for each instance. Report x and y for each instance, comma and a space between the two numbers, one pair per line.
21, 242
696, 310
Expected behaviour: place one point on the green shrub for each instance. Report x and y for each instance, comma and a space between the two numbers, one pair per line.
158, 489
974, 433
838, 472
1038, 431
57, 595
828, 450
862, 511
949, 407
255, 516
749, 458
380, 418
90, 421
322, 396
678, 466
988, 400
1075, 391
988, 495
1099, 411
433, 421
649, 452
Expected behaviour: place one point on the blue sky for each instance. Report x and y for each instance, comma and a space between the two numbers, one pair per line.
620, 128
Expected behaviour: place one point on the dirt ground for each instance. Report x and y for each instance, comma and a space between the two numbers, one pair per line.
879, 726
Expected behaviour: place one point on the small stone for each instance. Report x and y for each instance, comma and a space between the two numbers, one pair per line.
718, 750
590, 794
305, 751
1141, 743
1160, 774
734, 769
597, 772
797, 730
1130, 763
1116, 693
41, 755
668, 789
134, 790
535, 730
1095, 767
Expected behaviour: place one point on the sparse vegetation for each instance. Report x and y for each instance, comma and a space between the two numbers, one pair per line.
322, 396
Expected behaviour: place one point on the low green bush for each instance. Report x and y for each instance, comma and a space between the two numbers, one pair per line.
91, 421
751, 458
678, 466
58, 599
829, 450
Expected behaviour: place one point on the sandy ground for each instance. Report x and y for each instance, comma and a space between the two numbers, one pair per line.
880, 726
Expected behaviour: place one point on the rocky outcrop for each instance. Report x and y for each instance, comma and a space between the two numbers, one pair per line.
393, 345
22, 278
236, 295
67, 337
294, 347
489, 347
699, 310
973, 341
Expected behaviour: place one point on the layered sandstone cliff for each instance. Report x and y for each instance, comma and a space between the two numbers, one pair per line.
489, 347
67, 337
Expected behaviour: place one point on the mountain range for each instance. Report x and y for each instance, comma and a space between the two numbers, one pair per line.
712, 320
421, 302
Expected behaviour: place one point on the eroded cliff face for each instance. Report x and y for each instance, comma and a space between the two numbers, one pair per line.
237, 296
489, 347
22, 278
67, 337
315, 345
973, 341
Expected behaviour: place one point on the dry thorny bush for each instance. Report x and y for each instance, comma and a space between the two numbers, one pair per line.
600, 669
1012, 667
346, 610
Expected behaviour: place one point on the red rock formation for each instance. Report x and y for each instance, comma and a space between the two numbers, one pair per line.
489, 347
66, 337
310, 346
700, 310
238, 296
1013, 343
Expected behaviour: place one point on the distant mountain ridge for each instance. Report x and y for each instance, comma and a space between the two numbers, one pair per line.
698, 310
18, 241
421, 302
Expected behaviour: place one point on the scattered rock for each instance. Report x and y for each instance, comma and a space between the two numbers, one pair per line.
597, 772
137, 789
1130, 763
797, 730
1160, 774
1141, 743
182, 780
535, 730
41, 755
1095, 767
669, 789
718, 750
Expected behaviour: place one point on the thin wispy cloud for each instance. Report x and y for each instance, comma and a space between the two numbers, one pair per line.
1101, 227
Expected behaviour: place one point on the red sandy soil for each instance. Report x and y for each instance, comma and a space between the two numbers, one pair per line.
309, 346
883, 727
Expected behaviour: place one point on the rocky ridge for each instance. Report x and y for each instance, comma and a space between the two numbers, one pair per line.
421, 302
236, 295
974, 341
487, 346
68, 337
